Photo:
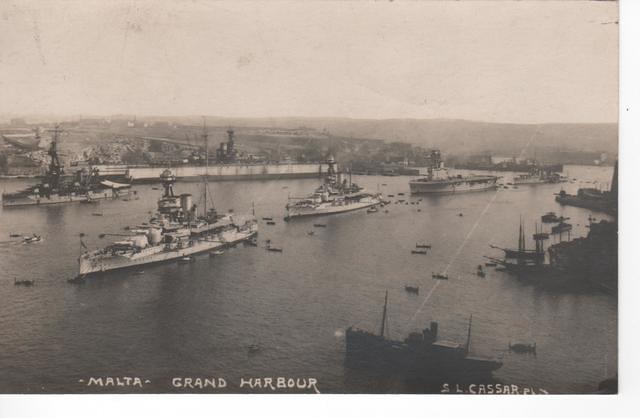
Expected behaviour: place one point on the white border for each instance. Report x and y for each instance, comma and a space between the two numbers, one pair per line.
157, 406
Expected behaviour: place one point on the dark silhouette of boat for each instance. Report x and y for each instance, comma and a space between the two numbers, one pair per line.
421, 355
27, 283
480, 272
523, 348
412, 289
550, 217
272, 248
521, 253
439, 276
561, 227
419, 252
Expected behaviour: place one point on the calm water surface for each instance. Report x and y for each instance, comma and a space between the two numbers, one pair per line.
198, 319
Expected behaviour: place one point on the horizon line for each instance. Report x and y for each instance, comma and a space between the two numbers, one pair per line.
136, 115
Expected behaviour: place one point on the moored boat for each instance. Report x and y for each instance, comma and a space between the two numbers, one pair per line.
421, 355
177, 232
438, 181
335, 195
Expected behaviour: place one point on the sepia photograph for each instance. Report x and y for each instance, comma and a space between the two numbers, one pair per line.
204, 197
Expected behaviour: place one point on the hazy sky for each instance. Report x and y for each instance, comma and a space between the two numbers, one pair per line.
495, 61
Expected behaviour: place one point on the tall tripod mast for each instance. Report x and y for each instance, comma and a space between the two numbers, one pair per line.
384, 314
469, 334
205, 137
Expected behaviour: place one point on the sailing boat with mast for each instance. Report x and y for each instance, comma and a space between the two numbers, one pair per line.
175, 232
420, 355
522, 260
522, 253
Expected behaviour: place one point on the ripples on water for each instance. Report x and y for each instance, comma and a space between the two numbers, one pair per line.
199, 319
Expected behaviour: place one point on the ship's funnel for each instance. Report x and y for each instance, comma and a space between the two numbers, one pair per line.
186, 202
154, 236
434, 329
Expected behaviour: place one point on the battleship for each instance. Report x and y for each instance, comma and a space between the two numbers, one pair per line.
539, 175
335, 195
421, 355
55, 188
438, 180
176, 232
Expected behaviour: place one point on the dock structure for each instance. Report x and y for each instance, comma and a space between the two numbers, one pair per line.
235, 171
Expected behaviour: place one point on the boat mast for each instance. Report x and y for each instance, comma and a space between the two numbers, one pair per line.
521, 237
469, 334
205, 138
384, 314
55, 168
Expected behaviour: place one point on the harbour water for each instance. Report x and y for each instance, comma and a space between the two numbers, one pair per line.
199, 319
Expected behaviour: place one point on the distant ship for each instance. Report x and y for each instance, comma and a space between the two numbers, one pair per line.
420, 355
56, 188
438, 180
175, 233
335, 195
539, 176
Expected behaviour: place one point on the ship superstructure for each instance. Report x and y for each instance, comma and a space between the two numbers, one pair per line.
438, 180
337, 194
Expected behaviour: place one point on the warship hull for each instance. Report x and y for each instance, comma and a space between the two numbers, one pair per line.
331, 208
97, 262
453, 185
19, 200
529, 181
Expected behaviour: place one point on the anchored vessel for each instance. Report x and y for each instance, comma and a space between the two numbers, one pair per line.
175, 233
420, 355
521, 260
54, 188
438, 180
335, 195
539, 175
